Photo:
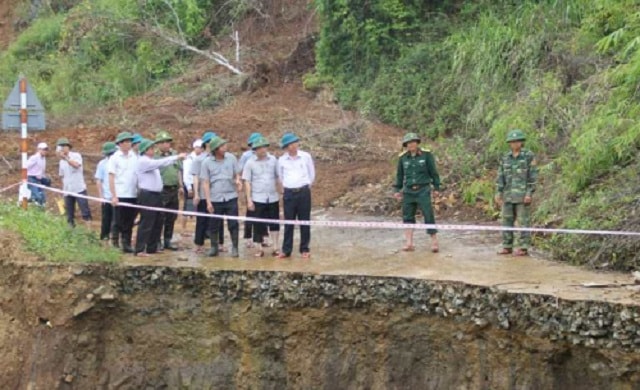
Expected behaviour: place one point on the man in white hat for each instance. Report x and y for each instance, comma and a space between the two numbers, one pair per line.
37, 173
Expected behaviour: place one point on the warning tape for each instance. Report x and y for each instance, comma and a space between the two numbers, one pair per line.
5, 189
354, 224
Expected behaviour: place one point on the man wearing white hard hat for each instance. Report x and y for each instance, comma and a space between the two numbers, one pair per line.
37, 173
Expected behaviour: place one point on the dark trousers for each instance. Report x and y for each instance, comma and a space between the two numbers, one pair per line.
202, 226
248, 225
150, 222
125, 217
216, 225
297, 205
70, 206
266, 211
171, 201
108, 225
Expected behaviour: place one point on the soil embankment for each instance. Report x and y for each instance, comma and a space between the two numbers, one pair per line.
83, 327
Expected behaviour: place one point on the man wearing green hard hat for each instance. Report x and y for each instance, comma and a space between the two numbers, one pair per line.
151, 189
296, 172
260, 175
416, 179
246, 156
107, 226
172, 187
220, 180
516, 183
199, 201
123, 185
71, 171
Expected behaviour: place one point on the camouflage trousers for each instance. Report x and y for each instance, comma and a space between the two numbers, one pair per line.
411, 201
512, 212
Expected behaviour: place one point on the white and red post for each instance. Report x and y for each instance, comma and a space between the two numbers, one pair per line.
24, 142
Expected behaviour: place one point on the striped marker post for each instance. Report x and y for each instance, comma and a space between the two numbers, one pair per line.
23, 127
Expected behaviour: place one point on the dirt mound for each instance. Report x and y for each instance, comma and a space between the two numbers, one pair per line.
7, 31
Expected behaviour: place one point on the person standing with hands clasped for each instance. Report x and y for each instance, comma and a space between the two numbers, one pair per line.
416, 174
123, 185
516, 183
260, 176
150, 194
73, 182
220, 179
296, 173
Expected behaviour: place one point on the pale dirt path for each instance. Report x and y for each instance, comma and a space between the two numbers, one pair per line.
467, 257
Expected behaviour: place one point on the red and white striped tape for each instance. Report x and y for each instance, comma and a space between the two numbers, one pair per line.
5, 189
356, 224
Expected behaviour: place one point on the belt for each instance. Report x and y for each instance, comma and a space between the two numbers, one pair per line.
150, 192
171, 187
305, 187
416, 187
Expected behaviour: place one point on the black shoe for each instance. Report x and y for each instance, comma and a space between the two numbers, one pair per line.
127, 249
171, 247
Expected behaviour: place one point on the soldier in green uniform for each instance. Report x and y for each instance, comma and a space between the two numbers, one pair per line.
416, 175
171, 188
517, 174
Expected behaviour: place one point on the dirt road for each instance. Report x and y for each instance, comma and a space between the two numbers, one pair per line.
467, 257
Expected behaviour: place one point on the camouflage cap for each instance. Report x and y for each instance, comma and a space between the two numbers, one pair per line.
409, 137
163, 136
516, 135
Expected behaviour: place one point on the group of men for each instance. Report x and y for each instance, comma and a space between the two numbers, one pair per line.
150, 174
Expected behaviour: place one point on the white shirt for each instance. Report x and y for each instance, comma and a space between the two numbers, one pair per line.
72, 178
36, 165
123, 166
298, 171
187, 176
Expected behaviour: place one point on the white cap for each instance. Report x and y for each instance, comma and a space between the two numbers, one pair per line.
197, 143
42, 145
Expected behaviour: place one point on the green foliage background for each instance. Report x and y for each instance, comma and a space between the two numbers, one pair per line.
565, 71
88, 52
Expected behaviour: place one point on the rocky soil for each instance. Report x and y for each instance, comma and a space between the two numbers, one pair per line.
153, 327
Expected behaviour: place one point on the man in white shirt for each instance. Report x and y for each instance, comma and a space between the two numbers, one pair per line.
260, 176
107, 227
296, 173
37, 173
187, 180
244, 158
123, 185
72, 182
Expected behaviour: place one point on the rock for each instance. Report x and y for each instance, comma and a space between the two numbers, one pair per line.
100, 290
83, 307
69, 378
90, 297
183, 258
108, 297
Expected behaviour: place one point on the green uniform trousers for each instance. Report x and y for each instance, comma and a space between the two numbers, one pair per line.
411, 201
512, 212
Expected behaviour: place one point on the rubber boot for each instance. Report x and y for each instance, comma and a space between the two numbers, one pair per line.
234, 243
214, 249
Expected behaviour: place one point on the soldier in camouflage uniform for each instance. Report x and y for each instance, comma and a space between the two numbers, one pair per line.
516, 184
172, 188
416, 174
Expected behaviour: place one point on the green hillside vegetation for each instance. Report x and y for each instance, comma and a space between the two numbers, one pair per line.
86, 53
465, 72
